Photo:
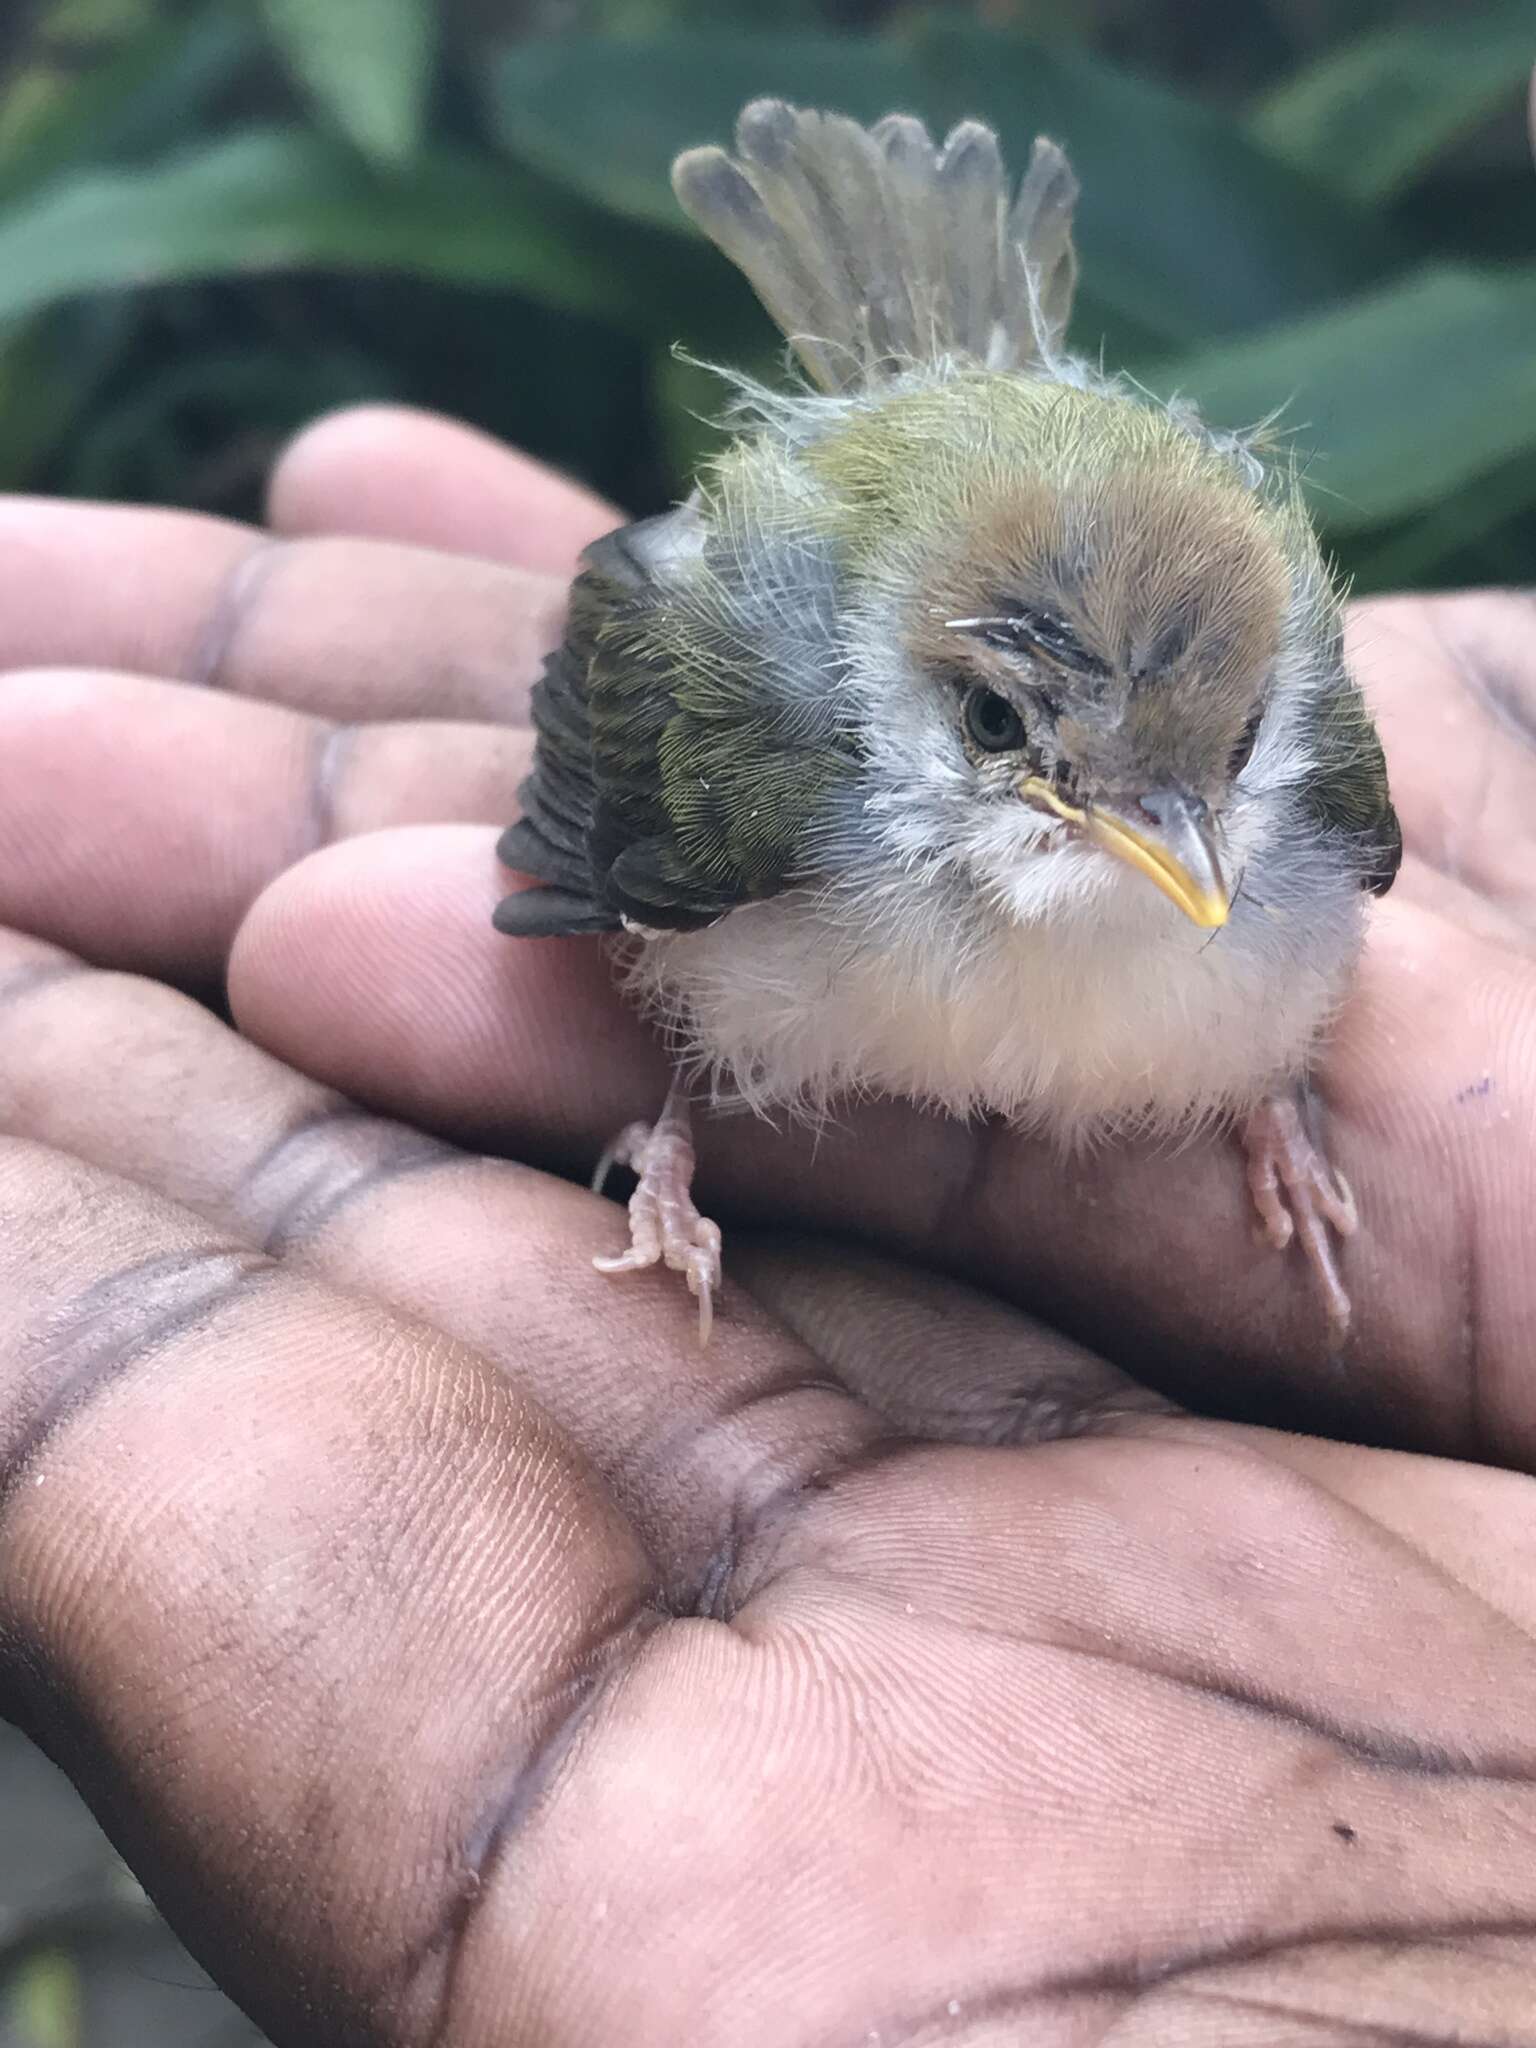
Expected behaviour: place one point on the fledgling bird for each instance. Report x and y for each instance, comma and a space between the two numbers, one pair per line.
977, 731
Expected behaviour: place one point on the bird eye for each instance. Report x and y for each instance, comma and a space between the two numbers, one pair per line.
992, 722
1242, 753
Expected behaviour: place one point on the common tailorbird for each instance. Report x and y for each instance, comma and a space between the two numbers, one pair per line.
978, 730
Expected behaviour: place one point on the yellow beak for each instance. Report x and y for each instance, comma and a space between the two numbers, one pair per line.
1168, 837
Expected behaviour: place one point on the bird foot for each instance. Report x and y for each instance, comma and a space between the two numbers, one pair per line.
1299, 1195
664, 1225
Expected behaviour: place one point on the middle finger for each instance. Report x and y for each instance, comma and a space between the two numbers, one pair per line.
351, 629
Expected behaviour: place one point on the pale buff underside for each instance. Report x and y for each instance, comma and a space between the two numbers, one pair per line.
1122, 1015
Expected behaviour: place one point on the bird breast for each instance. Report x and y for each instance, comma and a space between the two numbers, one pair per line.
1122, 1014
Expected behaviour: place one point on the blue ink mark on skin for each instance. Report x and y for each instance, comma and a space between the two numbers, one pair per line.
1475, 1090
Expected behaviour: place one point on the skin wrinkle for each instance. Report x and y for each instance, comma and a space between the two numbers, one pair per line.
333, 744
1368, 1747
233, 604
322, 1187
754, 1515
1047, 1404
753, 1544
609, 1659
1046, 1412
1130, 1979
120, 1321
1371, 1748
1483, 680
1421, 1560
951, 1220
758, 1493
1368, 2033
755, 1527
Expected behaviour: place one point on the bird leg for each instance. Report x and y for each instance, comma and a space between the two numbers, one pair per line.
1298, 1194
663, 1223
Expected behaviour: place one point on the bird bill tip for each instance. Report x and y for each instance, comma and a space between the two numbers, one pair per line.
1181, 862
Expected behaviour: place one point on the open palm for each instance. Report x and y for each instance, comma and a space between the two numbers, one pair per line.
463, 1656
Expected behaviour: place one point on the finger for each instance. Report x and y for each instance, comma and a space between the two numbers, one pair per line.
936, 1360
301, 1594
464, 1029
349, 629
1142, 1253
394, 473
1453, 683
139, 819
694, 1445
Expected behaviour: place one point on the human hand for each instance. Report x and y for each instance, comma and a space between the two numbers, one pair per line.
344, 686
448, 1640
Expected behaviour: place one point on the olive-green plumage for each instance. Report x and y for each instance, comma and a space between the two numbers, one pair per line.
978, 732
695, 750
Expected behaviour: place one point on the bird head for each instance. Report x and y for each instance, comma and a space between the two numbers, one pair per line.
1090, 611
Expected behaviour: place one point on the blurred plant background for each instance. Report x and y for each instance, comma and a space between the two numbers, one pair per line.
219, 217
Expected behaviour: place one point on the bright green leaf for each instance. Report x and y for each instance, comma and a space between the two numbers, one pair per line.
367, 63
276, 199
1396, 399
1187, 227
1373, 114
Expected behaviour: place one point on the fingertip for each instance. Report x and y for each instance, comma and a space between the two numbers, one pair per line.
393, 472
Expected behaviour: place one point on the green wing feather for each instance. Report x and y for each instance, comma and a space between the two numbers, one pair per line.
687, 738
1351, 797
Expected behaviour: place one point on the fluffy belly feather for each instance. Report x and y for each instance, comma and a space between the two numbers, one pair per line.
1129, 1016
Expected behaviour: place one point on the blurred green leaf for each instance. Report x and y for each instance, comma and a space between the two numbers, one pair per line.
691, 402
92, 20
45, 2001
1373, 115
150, 444
1187, 227
1420, 550
51, 369
156, 84
278, 199
1407, 394
368, 64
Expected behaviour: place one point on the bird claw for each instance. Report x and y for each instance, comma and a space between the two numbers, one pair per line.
664, 1226
1299, 1195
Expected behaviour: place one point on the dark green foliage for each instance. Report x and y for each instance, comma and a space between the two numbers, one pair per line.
218, 216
